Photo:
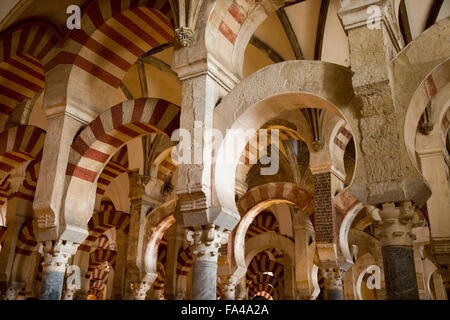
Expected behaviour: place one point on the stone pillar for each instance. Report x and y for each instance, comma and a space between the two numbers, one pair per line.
206, 242
439, 286
241, 289
13, 290
333, 283
326, 222
55, 257
48, 204
394, 230
140, 291
68, 294
135, 235
304, 255
175, 238
7, 254
228, 286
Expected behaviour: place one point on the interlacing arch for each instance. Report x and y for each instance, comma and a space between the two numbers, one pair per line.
26, 48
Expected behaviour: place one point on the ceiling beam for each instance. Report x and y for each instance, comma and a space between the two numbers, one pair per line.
321, 29
161, 65
126, 91
258, 43
404, 23
158, 49
434, 12
293, 3
290, 33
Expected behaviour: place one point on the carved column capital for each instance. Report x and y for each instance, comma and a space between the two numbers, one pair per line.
206, 242
56, 254
333, 277
394, 224
13, 291
228, 286
68, 294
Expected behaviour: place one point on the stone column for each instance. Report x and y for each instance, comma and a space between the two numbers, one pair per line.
394, 230
135, 235
439, 286
68, 294
175, 238
13, 290
15, 219
326, 222
206, 242
228, 287
334, 283
140, 291
55, 257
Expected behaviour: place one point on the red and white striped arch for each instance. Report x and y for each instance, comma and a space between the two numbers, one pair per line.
113, 35
445, 123
18, 145
184, 261
3, 230
231, 24
26, 241
102, 221
264, 222
263, 196
437, 80
259, 266
258, 199
263, 278
106, 134
113, 128
115, 167
265, 290
26, 47
28, 188
340, 138
5, 190
158, 222
99, 256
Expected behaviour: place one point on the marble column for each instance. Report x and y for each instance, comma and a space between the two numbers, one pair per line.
55, 257
206, 242
333, 284
394, 230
